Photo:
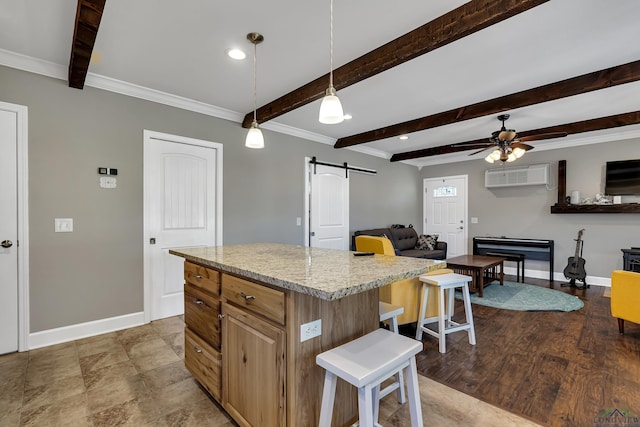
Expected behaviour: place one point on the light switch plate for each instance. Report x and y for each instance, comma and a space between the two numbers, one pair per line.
108, 182
64, 225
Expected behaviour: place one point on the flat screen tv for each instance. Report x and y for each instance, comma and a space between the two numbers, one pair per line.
622, 178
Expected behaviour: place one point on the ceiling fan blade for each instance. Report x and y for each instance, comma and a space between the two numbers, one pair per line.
483, 149
525, 147
542, 136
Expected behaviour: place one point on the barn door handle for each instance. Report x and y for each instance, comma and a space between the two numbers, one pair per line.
6, 243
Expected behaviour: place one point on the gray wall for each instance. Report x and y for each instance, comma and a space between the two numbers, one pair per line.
525, 211
96, 272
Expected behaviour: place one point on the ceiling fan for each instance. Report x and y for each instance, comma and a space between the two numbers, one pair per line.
507, 145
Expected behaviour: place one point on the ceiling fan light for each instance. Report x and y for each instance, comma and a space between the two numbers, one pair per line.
518, 152
331, 109
507, 135
511, 157
489, 159
495, 154
254, 137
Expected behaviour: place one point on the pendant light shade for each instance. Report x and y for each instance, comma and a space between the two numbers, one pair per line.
254, 136
331, 109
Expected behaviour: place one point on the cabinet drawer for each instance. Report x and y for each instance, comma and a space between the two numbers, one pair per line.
256, 298
201, 312
204, 362
202, 277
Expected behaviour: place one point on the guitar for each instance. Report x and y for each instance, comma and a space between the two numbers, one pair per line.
575, 264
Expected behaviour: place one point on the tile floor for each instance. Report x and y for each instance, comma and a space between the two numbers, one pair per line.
136, 377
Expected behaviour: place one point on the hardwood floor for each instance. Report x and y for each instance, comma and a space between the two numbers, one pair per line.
555, 368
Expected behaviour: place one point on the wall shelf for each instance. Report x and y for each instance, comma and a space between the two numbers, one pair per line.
562, 207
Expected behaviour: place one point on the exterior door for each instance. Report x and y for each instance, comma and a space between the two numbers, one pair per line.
329, 213
183, 195
445, 212
8, 231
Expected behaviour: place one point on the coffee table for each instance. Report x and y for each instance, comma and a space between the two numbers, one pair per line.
481, 268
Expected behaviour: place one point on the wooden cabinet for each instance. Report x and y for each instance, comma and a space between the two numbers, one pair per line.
253, 375
204, 362
202, 337
242, 343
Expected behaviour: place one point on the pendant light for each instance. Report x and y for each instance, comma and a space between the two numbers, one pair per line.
331, 108
254, 136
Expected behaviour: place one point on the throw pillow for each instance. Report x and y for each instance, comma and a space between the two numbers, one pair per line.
427, 242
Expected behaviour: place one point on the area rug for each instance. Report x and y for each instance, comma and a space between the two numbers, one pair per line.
523, 297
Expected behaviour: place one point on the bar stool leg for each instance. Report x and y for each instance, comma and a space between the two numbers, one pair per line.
469, 316
423, 310
441, 321
328, 397
414, 394
365, 406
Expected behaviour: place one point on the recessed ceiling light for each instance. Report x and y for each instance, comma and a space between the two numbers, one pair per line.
403, 137
348, 117
236, 54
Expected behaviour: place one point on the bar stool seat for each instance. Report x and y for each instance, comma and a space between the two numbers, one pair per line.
445, 283
365, 363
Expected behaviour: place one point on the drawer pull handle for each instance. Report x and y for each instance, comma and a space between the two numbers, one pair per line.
247, 297
197, 301
220, 316
196, 349
197, 276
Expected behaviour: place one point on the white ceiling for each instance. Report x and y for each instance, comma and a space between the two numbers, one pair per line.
174, 52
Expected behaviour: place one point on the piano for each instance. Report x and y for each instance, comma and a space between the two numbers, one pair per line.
534, 249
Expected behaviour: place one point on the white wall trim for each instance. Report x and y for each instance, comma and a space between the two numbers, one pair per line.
22, 163
84, 330
558, 277
56, 71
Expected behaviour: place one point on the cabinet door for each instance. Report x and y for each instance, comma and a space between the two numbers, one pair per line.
253, 372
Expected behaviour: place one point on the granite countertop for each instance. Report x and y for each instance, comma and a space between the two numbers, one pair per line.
328, 274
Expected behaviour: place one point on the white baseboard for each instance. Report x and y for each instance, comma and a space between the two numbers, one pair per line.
84, 330
557, 276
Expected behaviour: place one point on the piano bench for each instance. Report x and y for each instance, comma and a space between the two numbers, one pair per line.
515, 257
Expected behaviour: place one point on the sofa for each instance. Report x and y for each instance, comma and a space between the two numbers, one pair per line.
404, 242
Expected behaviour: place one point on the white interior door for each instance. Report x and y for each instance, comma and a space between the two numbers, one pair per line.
445, 212
183, 191
8, 232
329, 210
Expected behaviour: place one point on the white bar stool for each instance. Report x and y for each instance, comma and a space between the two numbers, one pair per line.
390, 312
365, 363
442, 283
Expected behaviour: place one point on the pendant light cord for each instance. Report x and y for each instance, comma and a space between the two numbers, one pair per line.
331, 44
255, 68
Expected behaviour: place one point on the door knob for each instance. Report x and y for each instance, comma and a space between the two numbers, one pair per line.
6, 243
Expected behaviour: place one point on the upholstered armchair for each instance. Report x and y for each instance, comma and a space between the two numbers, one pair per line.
406, 293
625, 297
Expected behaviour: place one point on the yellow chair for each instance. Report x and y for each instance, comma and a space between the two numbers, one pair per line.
406, 293
625, 297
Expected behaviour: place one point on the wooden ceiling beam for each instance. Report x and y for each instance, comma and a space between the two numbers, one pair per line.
461, 22
597, 80
88, 17
600, 123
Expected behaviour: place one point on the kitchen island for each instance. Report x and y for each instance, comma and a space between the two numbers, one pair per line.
247, 310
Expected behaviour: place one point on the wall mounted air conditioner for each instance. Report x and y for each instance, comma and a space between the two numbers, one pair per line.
516, 176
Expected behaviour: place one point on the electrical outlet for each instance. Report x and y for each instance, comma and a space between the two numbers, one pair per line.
310, 330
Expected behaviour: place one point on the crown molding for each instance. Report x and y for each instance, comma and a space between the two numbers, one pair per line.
57, 71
